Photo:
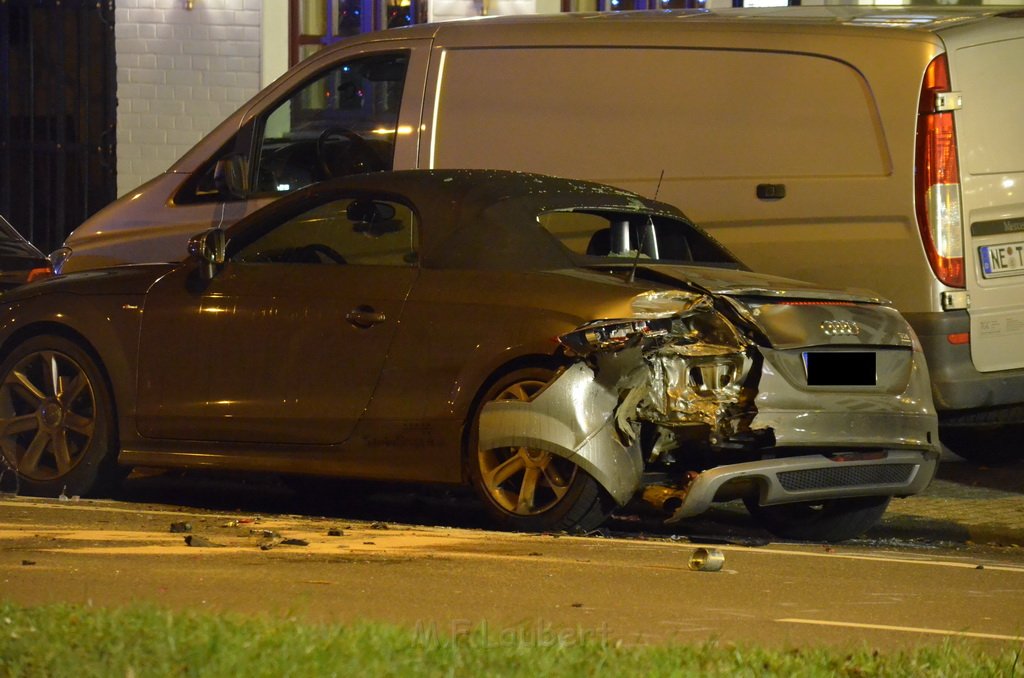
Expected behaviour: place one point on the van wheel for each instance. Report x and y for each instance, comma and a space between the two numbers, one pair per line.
831, 521
531, 490
56, 419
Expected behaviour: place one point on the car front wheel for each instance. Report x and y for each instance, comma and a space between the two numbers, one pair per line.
56, 419
527, 489
830, 521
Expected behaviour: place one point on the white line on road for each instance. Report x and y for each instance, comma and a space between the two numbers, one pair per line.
907, 629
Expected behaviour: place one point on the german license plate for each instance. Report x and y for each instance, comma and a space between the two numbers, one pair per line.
999, 260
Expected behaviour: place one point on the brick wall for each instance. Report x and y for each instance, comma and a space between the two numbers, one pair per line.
179, 73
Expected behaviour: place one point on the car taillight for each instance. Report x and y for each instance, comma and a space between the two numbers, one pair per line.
937, 180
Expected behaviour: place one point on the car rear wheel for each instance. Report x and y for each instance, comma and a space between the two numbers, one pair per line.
528, 489
56, 419
831, 521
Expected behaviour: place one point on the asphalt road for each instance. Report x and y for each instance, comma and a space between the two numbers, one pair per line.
900, 587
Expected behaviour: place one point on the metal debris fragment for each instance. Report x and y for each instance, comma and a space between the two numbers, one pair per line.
707, 560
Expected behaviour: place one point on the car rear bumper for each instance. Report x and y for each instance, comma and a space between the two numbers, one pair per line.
813, 478
956, 384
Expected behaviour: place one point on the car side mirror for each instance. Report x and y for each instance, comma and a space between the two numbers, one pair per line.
210, 248
229, 176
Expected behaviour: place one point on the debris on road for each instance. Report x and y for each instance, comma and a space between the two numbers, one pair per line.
197, 541
181, 526
707, 560
335, 532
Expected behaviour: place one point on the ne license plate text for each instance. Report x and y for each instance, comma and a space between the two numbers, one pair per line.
997, 260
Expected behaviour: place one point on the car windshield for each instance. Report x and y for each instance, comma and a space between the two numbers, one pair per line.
599, 235
14, 245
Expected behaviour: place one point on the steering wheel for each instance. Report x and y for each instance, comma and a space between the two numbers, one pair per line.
359, 156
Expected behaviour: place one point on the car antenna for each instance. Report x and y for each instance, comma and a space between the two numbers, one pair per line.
643, 236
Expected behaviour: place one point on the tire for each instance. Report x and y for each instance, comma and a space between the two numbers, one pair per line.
529, 490
829, 521
56, 419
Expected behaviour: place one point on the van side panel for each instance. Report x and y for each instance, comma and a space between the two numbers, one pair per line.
680, 101
804, 122
990, 136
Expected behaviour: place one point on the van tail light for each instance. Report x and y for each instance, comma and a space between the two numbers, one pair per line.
937, 179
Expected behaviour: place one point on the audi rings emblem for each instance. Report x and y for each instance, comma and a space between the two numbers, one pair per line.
840, 328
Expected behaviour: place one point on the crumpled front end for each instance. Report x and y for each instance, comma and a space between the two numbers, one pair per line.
700, 398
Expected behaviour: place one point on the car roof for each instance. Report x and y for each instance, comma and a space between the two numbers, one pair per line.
492, 214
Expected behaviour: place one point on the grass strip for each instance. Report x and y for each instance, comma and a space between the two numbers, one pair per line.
145, 640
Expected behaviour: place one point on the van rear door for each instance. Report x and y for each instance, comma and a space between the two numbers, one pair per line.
984, 67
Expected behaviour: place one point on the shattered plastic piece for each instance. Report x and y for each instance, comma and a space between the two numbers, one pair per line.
195, 541
335, 532
181, 526
294, 542
28, 562
230, 523
264, 534
379, 526
707, 560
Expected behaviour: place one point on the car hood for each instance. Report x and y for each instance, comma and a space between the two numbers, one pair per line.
134, 279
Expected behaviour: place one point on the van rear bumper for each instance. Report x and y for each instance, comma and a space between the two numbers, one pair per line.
956, 384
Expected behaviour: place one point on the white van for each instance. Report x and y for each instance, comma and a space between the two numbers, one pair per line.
851, 146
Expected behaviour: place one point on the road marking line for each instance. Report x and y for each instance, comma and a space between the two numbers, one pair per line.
908, 629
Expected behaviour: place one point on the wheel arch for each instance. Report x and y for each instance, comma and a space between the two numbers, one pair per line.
51, 328
552, 361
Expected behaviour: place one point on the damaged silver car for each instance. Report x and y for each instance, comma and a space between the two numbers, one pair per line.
565, 348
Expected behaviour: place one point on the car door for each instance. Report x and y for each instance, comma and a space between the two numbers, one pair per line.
285, 344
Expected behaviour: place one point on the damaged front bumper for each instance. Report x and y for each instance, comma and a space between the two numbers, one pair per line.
694, 402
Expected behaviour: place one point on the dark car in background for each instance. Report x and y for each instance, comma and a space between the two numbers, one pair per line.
563, 347
20, 261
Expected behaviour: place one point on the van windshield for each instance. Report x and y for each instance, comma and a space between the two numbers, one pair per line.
597, 236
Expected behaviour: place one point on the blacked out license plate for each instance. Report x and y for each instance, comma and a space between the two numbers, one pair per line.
840, 368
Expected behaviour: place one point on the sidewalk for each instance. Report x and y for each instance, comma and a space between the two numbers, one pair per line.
964, 503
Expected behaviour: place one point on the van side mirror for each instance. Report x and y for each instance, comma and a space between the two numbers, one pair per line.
230, 176
210, 248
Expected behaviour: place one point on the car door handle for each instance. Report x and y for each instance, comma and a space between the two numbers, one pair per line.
771, 191
365, 316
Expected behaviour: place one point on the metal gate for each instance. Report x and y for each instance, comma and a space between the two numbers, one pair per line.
57, 114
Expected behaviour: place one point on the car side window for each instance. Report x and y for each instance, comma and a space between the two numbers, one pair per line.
357, 231
342, 122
